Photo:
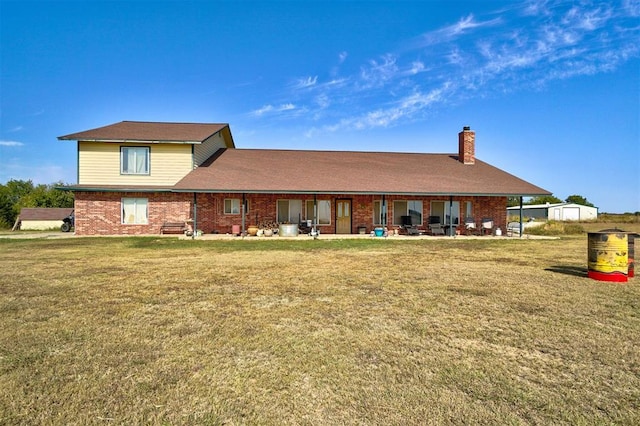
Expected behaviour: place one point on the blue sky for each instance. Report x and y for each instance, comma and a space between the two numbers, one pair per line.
550, 87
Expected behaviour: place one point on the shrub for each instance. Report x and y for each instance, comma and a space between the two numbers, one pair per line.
554, 228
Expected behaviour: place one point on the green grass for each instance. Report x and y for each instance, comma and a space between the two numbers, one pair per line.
367, 331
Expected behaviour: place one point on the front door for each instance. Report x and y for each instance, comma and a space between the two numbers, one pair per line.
343, 216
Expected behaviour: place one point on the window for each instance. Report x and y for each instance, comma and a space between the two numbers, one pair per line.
378, 214
135, 211
323, 215
232, 206
134, 160
407, 208
446, 211
452, 213
289, 211
469, 211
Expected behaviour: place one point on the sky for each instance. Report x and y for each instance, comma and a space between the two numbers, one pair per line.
551, 88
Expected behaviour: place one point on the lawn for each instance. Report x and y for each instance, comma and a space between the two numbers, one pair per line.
332, 332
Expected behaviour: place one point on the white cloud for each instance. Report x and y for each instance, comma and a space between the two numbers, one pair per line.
378, 72
261, 111
342, 56
417, 67
323, 101
11, 143
304, 83
270, 109
451, 32
475, 57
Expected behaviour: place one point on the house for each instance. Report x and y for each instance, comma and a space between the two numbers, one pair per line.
41, 218
556, 211
134, 177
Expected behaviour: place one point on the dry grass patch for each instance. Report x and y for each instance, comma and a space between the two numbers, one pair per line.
146, 330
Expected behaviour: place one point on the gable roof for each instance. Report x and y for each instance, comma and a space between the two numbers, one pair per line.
152, 132
41, 213
350, 172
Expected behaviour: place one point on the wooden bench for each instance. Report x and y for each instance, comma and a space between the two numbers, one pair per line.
173, 228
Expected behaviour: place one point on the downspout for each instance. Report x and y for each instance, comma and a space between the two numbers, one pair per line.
521, 224
195, 215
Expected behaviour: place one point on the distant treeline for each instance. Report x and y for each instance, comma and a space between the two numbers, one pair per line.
16, 194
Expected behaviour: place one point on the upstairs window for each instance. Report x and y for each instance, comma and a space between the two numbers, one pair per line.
134, 160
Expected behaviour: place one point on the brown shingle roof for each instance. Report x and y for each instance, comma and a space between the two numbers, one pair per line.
283, 171
141, 131
41, 213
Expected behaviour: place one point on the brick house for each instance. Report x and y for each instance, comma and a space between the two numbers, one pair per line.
133, 177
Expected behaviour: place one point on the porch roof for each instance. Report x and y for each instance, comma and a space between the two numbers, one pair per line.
350, 172
150, 132
42, 213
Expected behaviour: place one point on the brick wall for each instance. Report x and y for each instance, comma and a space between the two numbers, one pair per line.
263, 207
99, 213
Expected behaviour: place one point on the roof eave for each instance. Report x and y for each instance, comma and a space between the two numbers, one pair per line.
97, 188
343, 192
62, 138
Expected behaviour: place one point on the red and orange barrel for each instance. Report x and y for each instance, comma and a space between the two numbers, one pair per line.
632, 254
608, 256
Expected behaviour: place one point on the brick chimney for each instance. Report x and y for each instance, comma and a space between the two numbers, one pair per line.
467, 146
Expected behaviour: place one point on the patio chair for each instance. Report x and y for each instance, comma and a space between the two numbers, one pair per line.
435, 227
408, 227
487, 226
513, 228
470, 226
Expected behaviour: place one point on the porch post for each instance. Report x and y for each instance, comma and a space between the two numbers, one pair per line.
315, 213
521, 224
244, 212
450, 216
383, 212
195, 215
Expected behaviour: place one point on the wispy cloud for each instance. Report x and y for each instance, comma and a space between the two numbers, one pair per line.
524, 46
270, 109
450, 32
11, 143
303, 83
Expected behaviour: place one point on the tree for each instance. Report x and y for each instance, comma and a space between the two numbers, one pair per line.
513, 201
578, 199
544, 200
16, 194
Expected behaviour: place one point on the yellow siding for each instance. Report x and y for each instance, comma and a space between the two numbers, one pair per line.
40, 225
99, 163
208, 148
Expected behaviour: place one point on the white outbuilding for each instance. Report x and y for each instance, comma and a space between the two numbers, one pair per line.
41, 218
558, 211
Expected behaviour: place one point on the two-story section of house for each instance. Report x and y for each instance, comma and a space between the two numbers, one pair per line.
126, 172
137, 177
